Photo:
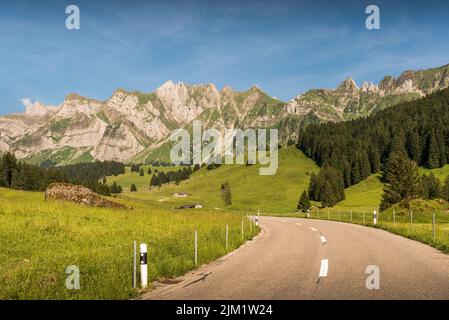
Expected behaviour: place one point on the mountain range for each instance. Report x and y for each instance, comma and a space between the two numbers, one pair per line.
135, 126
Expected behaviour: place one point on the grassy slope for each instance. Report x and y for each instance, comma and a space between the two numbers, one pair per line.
367, 193
142, 183
250, 191
39, 239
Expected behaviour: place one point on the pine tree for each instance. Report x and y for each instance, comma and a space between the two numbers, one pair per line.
304, 202
445, 189
226, 194
9, 163
355, 172
402, 180
413, 146
434, 186
313, 187
155, 181
133, 188
114, 188
365, 167
433, 152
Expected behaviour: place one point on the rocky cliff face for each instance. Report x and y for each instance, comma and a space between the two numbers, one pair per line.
135, 126
348, 101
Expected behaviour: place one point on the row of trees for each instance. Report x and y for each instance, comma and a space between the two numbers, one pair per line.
418, 129
170, 176
22, 176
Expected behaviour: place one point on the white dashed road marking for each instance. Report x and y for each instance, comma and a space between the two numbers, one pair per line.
298, 224
323, 239
313, 229
324, 268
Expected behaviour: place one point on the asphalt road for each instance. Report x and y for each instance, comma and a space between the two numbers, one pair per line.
296, 258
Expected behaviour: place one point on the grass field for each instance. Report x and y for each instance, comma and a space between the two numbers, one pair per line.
250, 191
142, 183
415, 222
39, 239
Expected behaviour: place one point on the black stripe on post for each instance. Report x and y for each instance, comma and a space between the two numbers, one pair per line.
143, 258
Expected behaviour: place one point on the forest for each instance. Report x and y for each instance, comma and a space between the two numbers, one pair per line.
348, 152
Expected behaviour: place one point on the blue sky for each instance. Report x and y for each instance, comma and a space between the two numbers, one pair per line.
286, 47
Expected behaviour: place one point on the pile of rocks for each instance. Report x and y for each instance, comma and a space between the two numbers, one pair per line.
78, 194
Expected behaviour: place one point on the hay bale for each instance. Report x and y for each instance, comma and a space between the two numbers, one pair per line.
78, 194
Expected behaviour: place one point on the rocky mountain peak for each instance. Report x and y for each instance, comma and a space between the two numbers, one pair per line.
36, 109
348, 84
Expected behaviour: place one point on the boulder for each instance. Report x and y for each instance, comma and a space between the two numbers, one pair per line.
78, 194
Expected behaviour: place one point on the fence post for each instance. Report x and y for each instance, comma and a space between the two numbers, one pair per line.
143, 265
135, 265
227, 237
433, 225
196, 247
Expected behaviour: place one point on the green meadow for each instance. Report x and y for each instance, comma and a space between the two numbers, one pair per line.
250, 190
426, 221
40, 239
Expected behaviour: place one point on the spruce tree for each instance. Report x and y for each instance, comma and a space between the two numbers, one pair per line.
141, 173
226, 194
313, 186
154, 181
402, 180
433, 152
445, 189
133, 188
434, 186
304, 202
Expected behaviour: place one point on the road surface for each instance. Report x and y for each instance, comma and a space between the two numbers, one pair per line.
295, 258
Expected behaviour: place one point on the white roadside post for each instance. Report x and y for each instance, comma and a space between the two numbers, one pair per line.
196, 247
433, 225
143, 265
374, 217
227, 237
135, 265
250, 226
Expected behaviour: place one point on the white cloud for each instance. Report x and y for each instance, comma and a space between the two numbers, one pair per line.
27, 102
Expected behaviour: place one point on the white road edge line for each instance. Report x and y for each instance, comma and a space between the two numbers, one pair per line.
324, 268
313, 229
323, 239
